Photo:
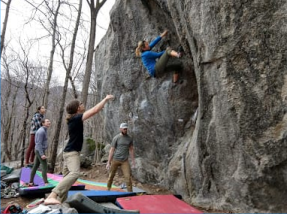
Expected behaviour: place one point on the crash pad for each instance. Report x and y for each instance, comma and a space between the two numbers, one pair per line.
156, 204
92, 185
102, 195
40, 187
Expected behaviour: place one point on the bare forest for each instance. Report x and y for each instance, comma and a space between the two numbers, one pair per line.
47, 62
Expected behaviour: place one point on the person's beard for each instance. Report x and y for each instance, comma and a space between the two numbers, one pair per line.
124, 133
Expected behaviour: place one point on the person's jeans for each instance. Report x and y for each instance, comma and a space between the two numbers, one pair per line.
163, 64
71, 173
162, 61
126, 171
30, 154
37, 163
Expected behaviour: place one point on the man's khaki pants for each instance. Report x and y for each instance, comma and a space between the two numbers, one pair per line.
71, 172
126, 171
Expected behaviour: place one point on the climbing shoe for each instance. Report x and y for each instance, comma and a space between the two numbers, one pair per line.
175, 77
180, 51
147, 76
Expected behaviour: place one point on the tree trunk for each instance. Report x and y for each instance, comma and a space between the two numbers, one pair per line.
68, 72
5, 25
23, 132
28, 104
52, 52
94, 13
7, 124
7, 112
12, 122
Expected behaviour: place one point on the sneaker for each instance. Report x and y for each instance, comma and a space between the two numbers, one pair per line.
6, 196
29, 165
10, 194
123, 186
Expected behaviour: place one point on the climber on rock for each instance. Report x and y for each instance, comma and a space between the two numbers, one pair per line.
149, 58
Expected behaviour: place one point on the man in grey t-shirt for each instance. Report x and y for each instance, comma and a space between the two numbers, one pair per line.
121, 148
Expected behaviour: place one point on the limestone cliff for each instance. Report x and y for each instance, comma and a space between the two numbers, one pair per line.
235, 72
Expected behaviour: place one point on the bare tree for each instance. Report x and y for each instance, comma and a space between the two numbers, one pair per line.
48, 19
54, 26
5, 24
93, 98
68, 69
30, 71
76, 71
33, 83
6, 111
94, 9
21, 77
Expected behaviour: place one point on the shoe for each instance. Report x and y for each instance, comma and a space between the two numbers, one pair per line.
175, 77
148, 77
7, 196
9, 193
180, 51
29, 185
123, 186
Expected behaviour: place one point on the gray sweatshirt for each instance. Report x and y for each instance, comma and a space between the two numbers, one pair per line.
41, 141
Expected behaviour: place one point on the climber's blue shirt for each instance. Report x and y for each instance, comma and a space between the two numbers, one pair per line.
149, 57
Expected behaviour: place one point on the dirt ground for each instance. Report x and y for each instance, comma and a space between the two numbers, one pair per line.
98, 173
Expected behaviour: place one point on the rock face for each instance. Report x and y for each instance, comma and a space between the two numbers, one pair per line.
235, 73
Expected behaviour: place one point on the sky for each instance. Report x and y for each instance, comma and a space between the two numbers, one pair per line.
19, 29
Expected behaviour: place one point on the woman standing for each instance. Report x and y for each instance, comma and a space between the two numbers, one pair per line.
35, 125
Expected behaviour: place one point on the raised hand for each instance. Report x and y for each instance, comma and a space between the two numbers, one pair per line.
164, 33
